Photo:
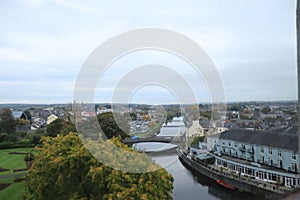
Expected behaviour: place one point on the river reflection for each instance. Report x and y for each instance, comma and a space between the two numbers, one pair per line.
192, 185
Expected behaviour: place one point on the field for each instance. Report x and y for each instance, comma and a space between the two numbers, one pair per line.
12, 162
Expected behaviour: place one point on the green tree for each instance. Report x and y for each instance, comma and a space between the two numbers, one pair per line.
7, 122
206, 114
27, 113
193, 111
54, 127
133, 116
60, 126
110, 127
244, 117
235, 107
266, 110
197, 139
64, 169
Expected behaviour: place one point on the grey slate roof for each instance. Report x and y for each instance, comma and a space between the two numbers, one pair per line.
17, 114
275, 139
204, 123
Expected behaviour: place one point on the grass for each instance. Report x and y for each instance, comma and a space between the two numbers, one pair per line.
11, 162
150, 132
13, 192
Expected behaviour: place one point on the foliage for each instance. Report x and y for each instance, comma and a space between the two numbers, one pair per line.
22, 122
244, 117
266, 110
235, 107
55, 127
60, 126
172, 111
109, 126
256, 112
20, 139
206, 114
11, 138
7, 122
215, 115
133, 116
193, 111
197, 139
27, 113
64, 169
34, 138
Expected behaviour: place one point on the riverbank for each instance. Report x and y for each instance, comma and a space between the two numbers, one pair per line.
189, 184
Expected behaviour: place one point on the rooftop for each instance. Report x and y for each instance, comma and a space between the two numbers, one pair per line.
282, 139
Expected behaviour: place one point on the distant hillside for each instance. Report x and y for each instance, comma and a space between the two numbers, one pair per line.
27, 106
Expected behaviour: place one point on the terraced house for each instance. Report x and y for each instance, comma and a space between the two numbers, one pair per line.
269, 156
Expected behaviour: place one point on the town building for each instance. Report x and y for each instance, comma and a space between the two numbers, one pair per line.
269, 156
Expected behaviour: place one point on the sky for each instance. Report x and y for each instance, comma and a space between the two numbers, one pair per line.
44, 44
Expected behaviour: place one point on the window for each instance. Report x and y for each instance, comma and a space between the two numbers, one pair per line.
262, 150
251, 148
229, 144
279, 153
280, 163
294, 156
294, 166
270, 151
234, 144
262, 159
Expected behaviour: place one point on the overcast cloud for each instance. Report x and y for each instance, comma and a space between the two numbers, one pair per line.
43, 44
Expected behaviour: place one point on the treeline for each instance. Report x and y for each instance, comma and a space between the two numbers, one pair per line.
10, 138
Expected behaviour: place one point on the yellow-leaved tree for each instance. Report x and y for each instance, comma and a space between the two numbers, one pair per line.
64, 169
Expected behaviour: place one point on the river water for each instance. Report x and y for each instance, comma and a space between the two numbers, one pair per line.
191, 185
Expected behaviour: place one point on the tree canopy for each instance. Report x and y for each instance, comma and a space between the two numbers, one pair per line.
60, 126
7, 122
64, 169
110, 127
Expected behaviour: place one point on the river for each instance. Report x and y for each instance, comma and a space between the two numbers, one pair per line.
191, 185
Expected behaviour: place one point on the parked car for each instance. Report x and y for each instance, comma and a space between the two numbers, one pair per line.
134, 137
